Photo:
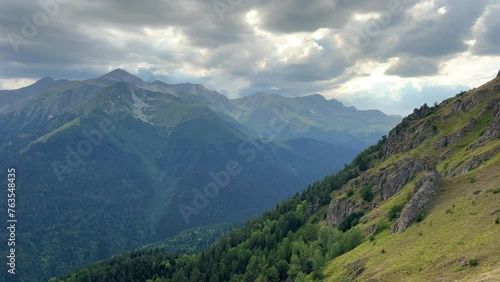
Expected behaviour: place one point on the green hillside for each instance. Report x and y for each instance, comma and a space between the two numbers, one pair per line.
421, 205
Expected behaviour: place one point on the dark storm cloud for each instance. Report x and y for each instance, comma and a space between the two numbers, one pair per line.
192, 40
441, 35
488, 40
297, 15
425, 33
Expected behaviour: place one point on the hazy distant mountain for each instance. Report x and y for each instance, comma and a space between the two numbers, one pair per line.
318, 118
112, 163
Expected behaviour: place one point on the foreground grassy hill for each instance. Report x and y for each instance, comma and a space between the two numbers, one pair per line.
421, 205
459, 228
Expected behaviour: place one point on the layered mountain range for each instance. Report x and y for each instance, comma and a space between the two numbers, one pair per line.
420, 205
112, 163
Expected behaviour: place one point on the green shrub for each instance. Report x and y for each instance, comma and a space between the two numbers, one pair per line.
494, 191
349, 193
473, 262
420, 216
355, 222
382, 225
350, 221
497, 221
395, 211
367, 194
318, 275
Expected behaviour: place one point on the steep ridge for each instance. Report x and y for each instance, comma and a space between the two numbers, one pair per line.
450, 189
421, 205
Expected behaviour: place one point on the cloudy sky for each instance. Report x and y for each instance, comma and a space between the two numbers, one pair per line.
392, 55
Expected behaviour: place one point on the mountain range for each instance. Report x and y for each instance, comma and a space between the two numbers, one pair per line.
109, 164
420, 205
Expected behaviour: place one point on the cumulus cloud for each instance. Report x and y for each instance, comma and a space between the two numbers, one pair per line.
486, 32
290, 47
414, 67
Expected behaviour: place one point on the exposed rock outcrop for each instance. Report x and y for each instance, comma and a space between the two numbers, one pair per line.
465, 104
420, 113
491, 105
472, 163
385, 182
356, 267
455, 137
391, 181
407, 138
492, 132
340, 209
423, 195
441, 143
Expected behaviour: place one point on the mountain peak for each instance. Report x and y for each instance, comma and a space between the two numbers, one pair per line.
119, 71
42, 83
45, 80
122, 75
314, 97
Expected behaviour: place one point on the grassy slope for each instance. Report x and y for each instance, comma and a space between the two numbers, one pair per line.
460, 222
429, 250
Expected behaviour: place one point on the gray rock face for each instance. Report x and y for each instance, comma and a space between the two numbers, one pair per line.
424, 193
493, 130
340, 209
471, 164
498, 74
387, 183
420, 113
464, 105
391, 181
441, 143
408, 138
